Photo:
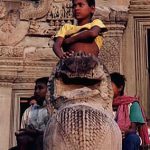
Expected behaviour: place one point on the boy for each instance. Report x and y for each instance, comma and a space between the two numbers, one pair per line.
31, 136
129, 115
85, 36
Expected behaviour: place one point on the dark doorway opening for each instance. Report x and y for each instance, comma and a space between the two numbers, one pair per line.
148, 61
24, 104
148, 41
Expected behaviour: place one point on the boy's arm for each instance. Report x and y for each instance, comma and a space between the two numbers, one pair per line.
84, 35
57, 48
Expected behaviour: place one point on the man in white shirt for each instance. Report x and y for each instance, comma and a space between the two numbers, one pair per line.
33, 124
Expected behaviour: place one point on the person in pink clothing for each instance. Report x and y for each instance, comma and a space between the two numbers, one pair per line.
129, 115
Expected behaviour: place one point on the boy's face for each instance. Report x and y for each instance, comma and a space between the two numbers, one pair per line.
116, 89
82, 10
40, 91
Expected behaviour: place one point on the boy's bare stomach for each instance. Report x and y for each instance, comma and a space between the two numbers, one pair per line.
91, 48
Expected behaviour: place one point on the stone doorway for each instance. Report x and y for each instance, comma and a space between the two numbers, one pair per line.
142, 60
148, 48
19, 104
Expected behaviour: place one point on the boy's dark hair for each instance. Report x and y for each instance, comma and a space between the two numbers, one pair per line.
118, 80
43, 80
91, 2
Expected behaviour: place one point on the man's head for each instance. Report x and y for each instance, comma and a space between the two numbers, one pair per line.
118, 83
83, 9
41, 89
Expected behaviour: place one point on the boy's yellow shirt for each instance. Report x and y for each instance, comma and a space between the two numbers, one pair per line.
71, 30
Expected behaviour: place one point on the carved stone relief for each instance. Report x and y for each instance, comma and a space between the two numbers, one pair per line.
111, 15
35, 11
12, 30
3, 10
59, 13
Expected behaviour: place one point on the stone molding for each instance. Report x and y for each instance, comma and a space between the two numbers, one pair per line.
8, 77
5, 84
139, 6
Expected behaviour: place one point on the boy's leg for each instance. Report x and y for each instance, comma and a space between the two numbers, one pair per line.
131, 142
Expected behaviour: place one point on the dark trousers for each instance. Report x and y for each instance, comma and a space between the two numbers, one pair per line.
131, 142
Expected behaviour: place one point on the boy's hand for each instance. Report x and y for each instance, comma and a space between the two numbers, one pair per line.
67, 54
63, 55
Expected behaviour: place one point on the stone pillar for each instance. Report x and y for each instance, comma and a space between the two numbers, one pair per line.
5, 105
115, 19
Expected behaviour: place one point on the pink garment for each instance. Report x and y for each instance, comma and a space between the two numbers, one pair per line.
122, 103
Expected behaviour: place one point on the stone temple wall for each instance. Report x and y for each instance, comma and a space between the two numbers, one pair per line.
27, 29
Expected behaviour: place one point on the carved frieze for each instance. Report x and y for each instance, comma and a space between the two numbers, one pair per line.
11, 52
6, 76
63, 11
39, 28
59, 13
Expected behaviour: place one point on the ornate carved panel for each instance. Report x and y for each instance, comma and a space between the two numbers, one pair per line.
110, 53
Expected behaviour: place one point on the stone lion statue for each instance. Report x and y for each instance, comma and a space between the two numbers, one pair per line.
81, 94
